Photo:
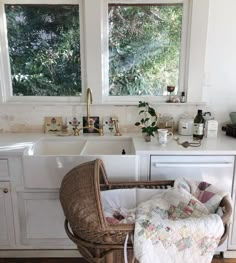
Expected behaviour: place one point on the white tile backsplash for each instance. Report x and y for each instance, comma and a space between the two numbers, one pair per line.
30, 118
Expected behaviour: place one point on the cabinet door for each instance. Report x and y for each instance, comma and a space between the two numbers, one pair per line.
42, 221
4, 169
6, 216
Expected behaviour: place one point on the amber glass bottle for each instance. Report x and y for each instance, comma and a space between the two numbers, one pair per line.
198, 126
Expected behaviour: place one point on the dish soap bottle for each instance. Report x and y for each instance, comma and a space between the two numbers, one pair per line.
198, 126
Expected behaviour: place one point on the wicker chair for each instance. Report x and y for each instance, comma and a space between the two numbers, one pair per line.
85, 224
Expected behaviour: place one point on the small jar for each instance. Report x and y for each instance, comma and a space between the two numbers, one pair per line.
166, 122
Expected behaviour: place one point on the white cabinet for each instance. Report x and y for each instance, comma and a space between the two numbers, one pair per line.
217, 170
7, 238
42, 221
4, 174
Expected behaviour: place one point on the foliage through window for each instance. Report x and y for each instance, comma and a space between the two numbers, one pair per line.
44, 49
144, 48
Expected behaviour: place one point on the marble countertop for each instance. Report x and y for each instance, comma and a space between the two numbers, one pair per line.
16, 143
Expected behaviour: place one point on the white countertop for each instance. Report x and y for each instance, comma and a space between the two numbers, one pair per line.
222, 145
16, 143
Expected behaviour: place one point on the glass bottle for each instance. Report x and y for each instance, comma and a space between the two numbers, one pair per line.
182, 97
198, 126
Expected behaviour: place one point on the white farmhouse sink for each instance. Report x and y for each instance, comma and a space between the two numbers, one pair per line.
57, 147
77, 146
109, 147
48, 160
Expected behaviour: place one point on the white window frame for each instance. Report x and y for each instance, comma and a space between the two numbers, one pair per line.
93, 52
184, 55
6, 95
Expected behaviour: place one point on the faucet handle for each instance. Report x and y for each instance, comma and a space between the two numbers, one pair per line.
76, 130
101, 133
115, 122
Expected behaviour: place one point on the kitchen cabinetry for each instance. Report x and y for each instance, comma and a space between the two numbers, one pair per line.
31, 216
42, 221
7, 238
217, 170
4, 173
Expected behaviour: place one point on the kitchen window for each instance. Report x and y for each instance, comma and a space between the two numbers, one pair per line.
146, 47
43, 51
43, 56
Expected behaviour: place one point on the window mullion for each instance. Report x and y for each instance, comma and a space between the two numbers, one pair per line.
93, 48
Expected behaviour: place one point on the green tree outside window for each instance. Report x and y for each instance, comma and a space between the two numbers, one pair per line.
44, 49
144, 48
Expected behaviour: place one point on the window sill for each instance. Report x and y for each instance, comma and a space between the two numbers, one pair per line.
43, 100
78, 102
153, 103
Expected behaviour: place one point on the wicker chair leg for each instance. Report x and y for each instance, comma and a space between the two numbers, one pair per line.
109, 258
98, 258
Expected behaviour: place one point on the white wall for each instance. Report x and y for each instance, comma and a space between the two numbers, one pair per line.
220, 71
212, 77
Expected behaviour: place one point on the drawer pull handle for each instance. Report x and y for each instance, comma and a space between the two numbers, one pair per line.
185, 165
5, 190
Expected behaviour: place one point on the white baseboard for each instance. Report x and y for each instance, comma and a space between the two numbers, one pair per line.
72, 253
230, 254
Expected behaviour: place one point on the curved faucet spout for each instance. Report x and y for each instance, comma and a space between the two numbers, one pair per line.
89, 101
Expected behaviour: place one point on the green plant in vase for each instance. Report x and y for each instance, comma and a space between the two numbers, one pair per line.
148, 122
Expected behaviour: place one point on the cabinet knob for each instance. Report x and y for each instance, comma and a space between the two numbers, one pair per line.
5, 190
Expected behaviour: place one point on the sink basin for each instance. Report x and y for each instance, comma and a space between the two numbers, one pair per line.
109, 147
51, 159
57, 147
88, 146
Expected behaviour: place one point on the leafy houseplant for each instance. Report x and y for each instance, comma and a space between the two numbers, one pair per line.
148, 123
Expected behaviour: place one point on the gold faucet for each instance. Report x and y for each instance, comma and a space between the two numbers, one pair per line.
115, 122
89, 125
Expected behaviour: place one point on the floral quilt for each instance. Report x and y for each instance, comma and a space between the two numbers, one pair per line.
176, 227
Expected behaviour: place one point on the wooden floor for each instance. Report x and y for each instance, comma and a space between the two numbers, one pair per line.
79, 260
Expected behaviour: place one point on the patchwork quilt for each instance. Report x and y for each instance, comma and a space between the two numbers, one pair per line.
179, 225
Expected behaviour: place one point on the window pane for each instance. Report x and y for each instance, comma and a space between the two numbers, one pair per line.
44, 49
144, 48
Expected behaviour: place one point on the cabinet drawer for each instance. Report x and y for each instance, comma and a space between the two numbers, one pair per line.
212, 169
4, 168
193, 159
